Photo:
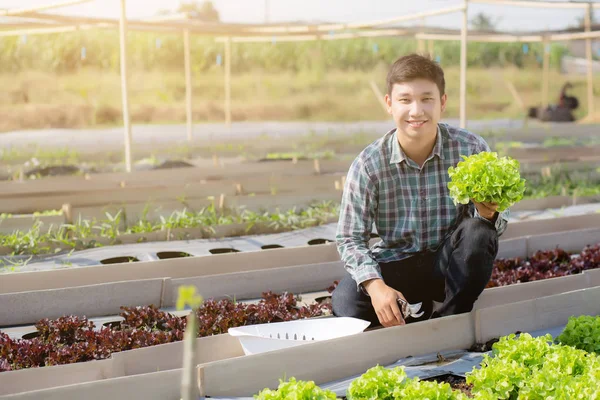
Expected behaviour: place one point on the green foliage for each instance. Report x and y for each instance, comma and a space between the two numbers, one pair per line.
582, 333
296, 390
377, 383
62, 52
416, 389
524, 367
83, 233
485, 177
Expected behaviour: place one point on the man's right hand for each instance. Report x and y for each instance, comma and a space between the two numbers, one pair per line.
385, 302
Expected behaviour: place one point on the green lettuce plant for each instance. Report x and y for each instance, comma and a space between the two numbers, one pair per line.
296, 390
531, 368
416, 389
582, 333
376, 383
484, 177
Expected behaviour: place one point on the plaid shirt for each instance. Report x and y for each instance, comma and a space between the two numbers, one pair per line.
410, 206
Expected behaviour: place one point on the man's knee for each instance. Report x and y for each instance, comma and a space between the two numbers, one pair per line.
476, 236
349, 301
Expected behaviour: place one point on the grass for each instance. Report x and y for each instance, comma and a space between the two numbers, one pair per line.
92, 97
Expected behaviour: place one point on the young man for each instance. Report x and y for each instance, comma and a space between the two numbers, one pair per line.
430, 249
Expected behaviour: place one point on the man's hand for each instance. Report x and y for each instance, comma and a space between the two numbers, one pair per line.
485, 209
385, 302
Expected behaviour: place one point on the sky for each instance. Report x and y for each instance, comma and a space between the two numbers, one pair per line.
253, 11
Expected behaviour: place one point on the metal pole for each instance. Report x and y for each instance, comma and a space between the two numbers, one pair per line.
228, 81
188, 82
463, 66
124, 84
545, 73
588, 56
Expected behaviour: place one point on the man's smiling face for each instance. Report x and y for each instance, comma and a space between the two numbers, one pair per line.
416, 107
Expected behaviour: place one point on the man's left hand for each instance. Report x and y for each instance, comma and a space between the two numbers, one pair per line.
486, 209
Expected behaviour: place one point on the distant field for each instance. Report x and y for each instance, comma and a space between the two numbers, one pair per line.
92, 98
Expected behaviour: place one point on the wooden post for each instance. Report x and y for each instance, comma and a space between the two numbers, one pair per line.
228, 81
124, 84
421, 42
463, 66
188, 82
545, 73
588, 56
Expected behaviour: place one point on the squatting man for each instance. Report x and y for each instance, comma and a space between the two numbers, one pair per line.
431, 251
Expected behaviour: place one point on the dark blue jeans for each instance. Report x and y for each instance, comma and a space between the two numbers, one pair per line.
454, 275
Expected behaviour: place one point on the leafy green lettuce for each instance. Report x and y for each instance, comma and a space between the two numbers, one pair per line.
296, 390
531, 368
582, 333
380, 383
485, 177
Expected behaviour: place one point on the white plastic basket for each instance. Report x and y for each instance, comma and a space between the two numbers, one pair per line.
278, 335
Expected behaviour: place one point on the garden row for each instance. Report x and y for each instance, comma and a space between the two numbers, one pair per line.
520, 366
155, 372
238, 276
71, 339
168, 221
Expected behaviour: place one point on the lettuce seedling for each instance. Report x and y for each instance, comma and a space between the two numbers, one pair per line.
484, 177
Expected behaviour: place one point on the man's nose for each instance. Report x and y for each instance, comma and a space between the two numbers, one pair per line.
416, 108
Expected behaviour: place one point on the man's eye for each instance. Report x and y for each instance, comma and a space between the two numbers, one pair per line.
403, 100
428, 98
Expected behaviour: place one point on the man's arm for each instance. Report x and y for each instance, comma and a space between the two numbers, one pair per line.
357, 213
500, 219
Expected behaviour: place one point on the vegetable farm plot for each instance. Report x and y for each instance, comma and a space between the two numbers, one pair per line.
163, 329
545, 270
448, 341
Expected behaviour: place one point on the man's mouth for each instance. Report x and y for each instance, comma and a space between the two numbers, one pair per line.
416, 124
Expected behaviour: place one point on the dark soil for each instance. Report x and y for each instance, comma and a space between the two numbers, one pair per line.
483, 347
456, 382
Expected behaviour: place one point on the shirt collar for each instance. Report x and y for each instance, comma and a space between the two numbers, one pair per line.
398, 154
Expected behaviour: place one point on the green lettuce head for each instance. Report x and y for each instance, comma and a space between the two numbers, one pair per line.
485, 177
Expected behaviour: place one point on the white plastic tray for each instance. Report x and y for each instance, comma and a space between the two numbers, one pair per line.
278, 335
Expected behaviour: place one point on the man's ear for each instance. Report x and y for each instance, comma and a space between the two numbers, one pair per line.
388, 102
444, 99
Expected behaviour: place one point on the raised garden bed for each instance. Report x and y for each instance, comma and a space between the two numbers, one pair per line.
71, 339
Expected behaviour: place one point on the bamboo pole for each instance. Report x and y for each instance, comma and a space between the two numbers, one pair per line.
355, 25
545, 73
378, 95
9, 12
430, 48
421, 42
315, 37
501, 38
539, 4
188, 82
228, 82
125, 85
463, 66
588, 56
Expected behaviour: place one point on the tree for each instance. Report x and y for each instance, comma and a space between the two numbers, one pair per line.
203, 11
483, 22
580, 21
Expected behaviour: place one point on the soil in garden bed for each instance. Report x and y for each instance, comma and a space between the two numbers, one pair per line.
457, 382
